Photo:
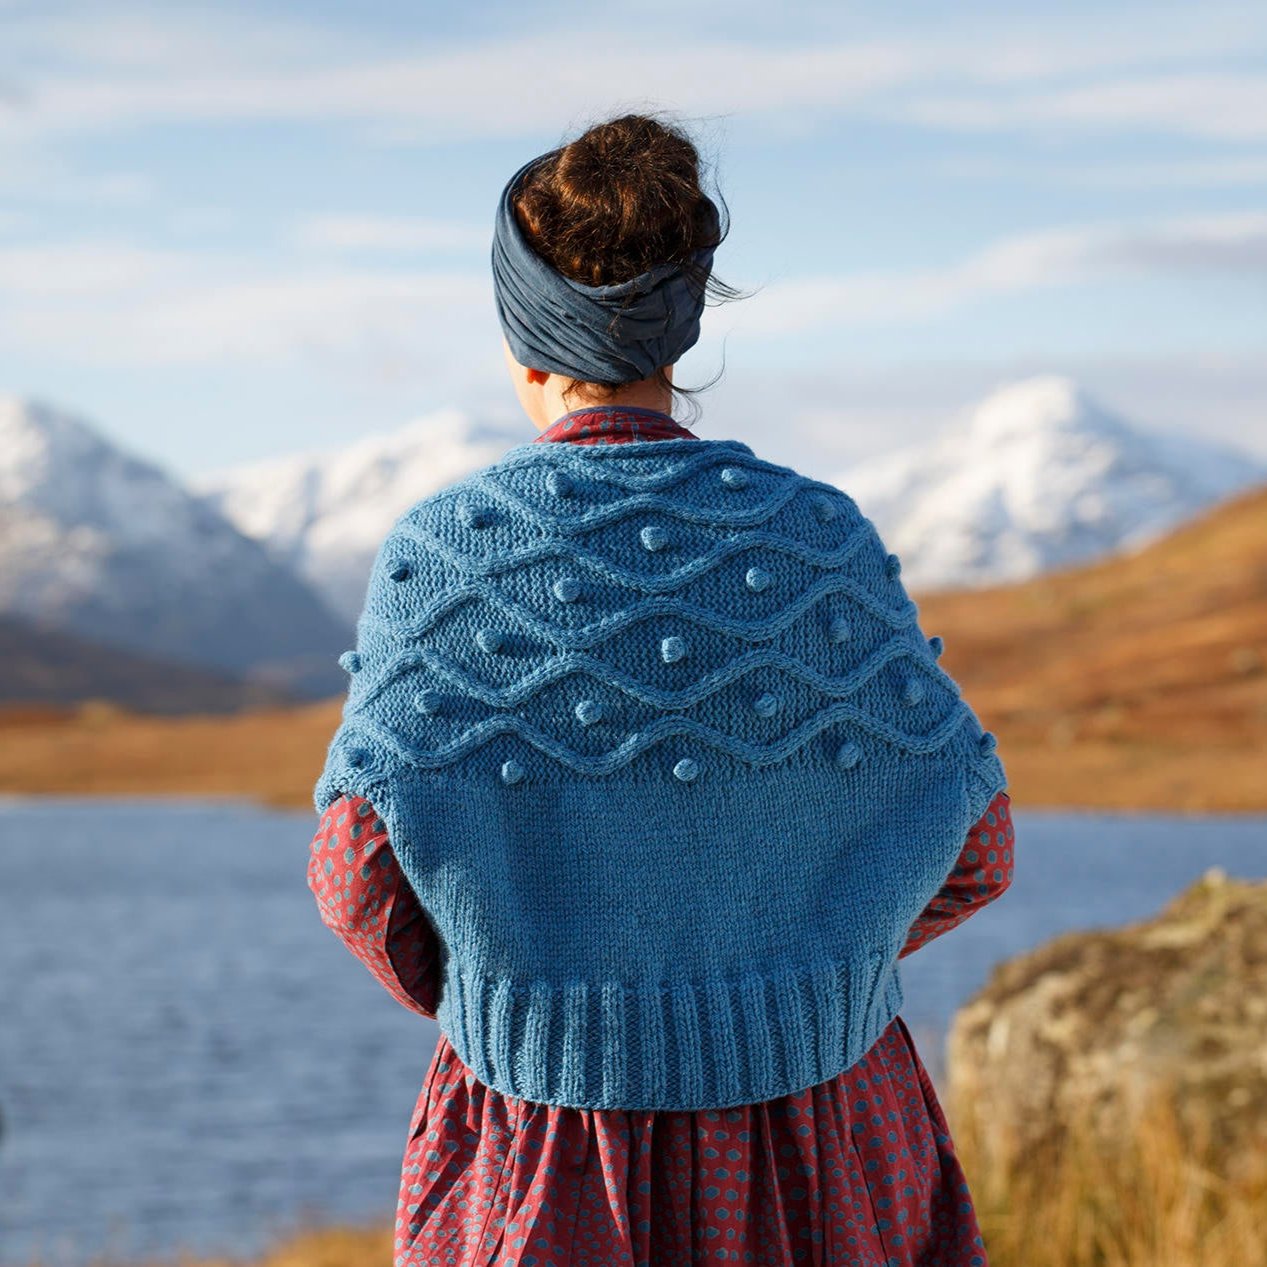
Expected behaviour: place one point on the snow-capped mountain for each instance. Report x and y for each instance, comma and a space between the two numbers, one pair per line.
98, 543
1036, 476
324, 514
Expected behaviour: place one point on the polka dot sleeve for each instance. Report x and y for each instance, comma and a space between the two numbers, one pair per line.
364, 898
981, 873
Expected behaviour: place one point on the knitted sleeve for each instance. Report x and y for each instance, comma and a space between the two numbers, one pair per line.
981, 873
366, 901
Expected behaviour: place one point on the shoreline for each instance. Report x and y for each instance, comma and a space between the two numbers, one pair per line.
271, 759
214, 800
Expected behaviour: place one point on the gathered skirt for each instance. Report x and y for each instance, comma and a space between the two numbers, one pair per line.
859, 1170
856, 1171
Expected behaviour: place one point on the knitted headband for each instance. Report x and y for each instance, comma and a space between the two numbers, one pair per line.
599, 334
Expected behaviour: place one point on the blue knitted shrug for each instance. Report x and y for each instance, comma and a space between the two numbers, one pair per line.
664, 753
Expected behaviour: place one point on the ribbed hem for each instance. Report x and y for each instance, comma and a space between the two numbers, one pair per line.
678, 1047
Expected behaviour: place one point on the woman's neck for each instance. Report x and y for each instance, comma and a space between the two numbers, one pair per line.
647, 394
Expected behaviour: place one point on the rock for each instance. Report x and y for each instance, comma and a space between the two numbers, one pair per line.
1100, 1021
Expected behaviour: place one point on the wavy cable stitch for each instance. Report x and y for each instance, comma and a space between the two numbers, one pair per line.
754, 630
512, 560
595, 687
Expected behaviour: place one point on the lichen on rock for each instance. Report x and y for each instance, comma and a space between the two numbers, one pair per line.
1096, 1024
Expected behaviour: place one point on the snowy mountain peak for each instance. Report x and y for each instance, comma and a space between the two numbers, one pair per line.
1037, 475
99, 543
324, 514
35, 439
1042, 404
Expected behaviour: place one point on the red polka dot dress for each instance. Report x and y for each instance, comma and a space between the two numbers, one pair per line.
859, 1170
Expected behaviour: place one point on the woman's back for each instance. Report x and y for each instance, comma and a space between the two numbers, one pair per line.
596, 689
661, 778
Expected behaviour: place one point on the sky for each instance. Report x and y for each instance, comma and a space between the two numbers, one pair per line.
237, 231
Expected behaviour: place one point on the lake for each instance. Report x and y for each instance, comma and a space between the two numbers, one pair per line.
190, 1060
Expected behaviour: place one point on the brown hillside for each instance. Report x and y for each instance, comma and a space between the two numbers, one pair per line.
1138, 682
45, 666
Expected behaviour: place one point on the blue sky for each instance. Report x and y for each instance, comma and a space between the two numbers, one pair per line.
234, 231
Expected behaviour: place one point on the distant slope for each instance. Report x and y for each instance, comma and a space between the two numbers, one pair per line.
100, 544
1037, 476
1140, 680
324, 514
44, 666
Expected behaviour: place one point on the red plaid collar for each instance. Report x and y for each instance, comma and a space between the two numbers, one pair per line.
615, 424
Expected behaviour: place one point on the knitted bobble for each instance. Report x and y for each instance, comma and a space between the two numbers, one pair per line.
936, 646
913, 691
653, 537
734, 478
757, 579
401, 572
824, 510
588, 711
838, 629
567, 589
672, 649
987, 743
848, 755
475, 516
766, 705
489, 640
428, 701
892, 566
686, 770
558, 484
512, 773
350, 662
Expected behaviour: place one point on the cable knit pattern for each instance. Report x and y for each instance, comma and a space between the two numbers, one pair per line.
597, 686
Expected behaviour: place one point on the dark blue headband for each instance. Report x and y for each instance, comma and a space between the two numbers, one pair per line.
599, 334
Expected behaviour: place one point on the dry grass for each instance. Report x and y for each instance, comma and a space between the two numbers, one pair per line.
1152, 1197
1139, 682
335, 1245
272, 755
327, 1247
1155, 1198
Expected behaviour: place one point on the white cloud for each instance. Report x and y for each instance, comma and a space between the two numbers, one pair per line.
82, 269
467, 91
202, 221
1197, 173
281, 318
82, 73
391, 233
155, 38
114, 304
1232, 245
1225, 106
1216, 171
105, 303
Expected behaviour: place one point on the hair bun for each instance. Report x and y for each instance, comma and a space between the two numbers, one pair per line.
620, 199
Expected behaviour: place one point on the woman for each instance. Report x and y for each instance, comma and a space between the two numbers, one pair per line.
646, 779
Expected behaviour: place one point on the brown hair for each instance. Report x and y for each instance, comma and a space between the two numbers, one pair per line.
623, 197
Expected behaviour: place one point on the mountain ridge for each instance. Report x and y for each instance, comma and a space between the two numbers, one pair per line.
1037, 475
1034, 476
102, 544
41, 667
324, 512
